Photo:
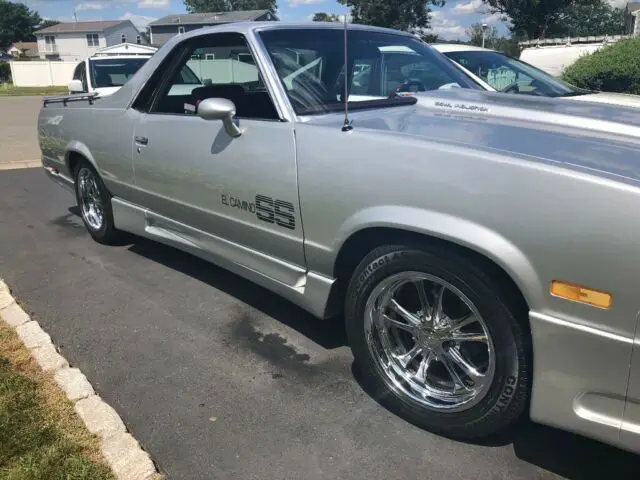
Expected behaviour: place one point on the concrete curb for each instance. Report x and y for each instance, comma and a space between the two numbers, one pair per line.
121, 451
18, 165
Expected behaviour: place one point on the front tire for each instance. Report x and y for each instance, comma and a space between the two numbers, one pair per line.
94, 202
436, 342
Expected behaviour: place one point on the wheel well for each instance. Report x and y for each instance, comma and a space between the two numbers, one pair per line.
73, 160
361, 243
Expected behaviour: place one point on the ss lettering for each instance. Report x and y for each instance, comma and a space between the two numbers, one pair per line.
275, 211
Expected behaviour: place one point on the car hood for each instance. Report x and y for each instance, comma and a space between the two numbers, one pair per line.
594, 138
622, 99
106, 91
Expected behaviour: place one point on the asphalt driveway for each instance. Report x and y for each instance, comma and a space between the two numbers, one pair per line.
220, 379
18, 131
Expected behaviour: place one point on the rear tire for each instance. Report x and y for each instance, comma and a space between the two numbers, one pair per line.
94, 202
460, 370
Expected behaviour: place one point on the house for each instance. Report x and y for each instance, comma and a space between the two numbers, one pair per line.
74, 41
24, 49
632, 18
164, 28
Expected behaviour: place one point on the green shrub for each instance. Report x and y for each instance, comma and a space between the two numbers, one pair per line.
5, 72
612, 68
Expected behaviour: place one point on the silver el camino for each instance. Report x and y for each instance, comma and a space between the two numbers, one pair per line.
483, 248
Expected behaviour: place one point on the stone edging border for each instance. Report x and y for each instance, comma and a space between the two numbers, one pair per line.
120, 449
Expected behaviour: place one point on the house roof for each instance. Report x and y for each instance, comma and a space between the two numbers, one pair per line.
211, 18
81, 27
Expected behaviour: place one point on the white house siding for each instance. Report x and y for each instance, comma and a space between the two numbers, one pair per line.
71, 46
113, 35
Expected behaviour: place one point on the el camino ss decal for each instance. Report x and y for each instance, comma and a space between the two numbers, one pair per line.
265, 208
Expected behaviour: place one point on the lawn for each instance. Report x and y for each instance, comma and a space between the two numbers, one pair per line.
7, 89
40, 435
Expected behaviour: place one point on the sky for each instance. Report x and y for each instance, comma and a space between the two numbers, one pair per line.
449, 21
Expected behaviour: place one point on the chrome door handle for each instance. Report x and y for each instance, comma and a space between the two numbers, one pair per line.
141, 140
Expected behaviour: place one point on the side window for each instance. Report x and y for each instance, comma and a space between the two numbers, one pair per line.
412, 70
78, 71
362, 71
80, 74
215, 66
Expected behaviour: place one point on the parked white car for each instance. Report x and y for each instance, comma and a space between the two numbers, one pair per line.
105, 74
496, 71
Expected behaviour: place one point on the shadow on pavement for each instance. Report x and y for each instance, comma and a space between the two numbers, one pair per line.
563, 453
573, 456
329, 334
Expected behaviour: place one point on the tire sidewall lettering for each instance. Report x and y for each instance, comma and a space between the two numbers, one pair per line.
378, 263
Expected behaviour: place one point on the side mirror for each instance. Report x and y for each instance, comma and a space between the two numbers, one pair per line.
75, 86
220, 109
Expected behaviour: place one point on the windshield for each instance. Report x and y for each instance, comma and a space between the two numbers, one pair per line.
507, 74
383, 68
114, 72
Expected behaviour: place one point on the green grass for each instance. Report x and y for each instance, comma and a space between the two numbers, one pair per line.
7, 89
40, 435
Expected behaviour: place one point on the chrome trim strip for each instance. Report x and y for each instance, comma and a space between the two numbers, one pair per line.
62, 180
583, 328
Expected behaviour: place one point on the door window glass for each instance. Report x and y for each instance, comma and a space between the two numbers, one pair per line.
217, 66
80, 74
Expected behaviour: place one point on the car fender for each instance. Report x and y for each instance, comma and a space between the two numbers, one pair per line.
80, 148
460, 231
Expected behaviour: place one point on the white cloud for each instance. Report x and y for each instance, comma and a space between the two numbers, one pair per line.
140, 21
293, 3
446, 27
93, 6
474, 6
154, 4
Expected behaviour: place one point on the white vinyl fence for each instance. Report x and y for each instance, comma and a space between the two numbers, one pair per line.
41, 73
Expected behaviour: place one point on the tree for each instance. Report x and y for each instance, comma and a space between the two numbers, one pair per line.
508, 45
492, 40
203, 6
325, 17
474, 32
48, 23
407, 15
536, 18
429, 37
599, 18
17, 23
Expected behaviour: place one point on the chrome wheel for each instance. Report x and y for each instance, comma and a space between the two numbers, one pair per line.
429, 341
90, 200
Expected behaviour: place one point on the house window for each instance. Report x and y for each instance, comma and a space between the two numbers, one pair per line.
138, 40
210, 56
180, 30
123, 38
92, 40
50, 44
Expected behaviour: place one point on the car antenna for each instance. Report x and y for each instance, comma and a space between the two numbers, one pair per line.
346, 127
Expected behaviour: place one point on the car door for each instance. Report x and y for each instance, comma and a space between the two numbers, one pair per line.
80, 74
234, 196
